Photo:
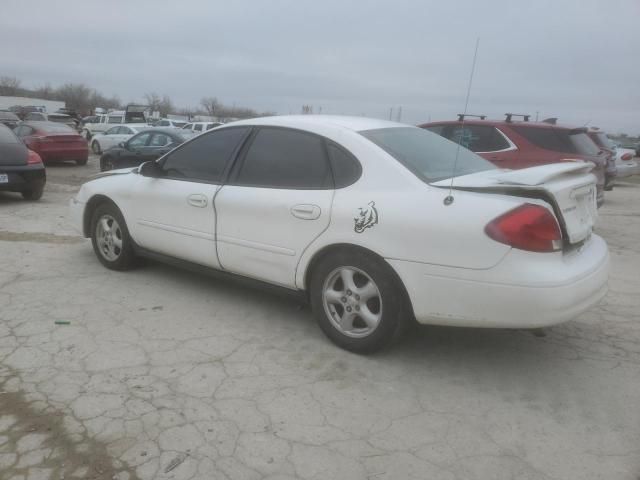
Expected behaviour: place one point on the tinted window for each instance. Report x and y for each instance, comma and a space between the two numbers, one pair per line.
34, 116
435, 129
206, 157
283, 158
115, 120
162, 123
559, 139
160, 140
197, 128
346, 169
139, 140
429, 156
477, 138
113, 131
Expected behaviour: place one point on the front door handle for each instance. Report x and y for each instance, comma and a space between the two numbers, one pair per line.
306, 212
197, 200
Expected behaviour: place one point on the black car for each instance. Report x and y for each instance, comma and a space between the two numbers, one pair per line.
10, 119
21, 169
143, 147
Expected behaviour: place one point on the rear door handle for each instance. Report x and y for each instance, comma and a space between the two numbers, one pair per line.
306, 212
197, 200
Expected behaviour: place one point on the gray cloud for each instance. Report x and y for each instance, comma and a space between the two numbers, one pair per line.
573, 59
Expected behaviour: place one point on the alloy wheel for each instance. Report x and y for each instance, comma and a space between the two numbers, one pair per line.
352, 301
109, 237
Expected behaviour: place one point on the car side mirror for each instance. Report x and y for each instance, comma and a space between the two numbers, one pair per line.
151, 170
123, 145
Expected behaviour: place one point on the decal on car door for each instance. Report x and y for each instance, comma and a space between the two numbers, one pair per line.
367, 217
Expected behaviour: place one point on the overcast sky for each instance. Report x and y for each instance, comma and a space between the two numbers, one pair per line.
578, 60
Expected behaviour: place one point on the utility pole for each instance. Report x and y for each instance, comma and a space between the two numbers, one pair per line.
399, 117
537, 115
390, 113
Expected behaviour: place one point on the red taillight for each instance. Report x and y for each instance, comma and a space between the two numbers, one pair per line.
33, 158
527, 227
626, 157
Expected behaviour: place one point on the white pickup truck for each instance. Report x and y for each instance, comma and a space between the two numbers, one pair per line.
132, 114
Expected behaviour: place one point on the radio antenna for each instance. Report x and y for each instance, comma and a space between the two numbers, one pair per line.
448, 200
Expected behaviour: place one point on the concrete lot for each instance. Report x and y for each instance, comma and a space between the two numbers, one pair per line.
162, 373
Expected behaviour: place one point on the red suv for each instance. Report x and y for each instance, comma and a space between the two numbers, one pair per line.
521, 144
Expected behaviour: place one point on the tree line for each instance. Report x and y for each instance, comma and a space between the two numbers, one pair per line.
84, 100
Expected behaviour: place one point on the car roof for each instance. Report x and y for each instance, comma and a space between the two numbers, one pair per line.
43, 125
356, 124
499, 123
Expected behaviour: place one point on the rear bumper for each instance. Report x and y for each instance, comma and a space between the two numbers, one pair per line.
67, 154
23, 177
525, 290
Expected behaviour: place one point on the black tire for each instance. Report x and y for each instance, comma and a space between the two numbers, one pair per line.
393, 305
87, 135
106, 163
82, 161
34, 192
126, 257
95, 147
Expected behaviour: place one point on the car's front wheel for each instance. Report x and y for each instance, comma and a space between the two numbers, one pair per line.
110, 238
95, 147
357, 301
106, 163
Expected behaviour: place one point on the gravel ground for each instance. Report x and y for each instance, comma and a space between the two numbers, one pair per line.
161, 373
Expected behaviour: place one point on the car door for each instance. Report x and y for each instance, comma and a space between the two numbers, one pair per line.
133, 152
174, 214
110, 138
159, 144
276, 202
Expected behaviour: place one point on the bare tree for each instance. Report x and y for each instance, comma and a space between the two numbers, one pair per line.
153, 100
76, 96
165, 106
9, 86
211, 105
307, 109
45, 92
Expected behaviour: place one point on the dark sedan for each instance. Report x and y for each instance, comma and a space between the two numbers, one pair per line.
21, 169
143, 147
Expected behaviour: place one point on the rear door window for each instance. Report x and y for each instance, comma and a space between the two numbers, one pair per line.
139, 140
477, 138
285, 158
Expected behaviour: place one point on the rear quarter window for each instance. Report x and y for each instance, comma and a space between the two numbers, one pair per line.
558, 139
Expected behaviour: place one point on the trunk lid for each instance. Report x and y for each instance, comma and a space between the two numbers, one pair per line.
569, 187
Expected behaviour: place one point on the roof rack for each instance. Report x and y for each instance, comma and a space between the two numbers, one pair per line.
461, 116
551, 120
509, 115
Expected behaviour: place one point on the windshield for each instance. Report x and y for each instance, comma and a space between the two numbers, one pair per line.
57, 128
428, 155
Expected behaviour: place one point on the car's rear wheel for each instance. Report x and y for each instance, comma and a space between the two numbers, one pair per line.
34, 192
106, 163
86, 134
82, 161
95, 147
110, 238
357, 301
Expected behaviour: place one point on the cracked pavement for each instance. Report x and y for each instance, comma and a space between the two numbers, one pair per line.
162, 373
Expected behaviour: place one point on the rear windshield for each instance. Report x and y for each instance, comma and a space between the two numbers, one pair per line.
7, 136
428, 155
59, 118
56, 128
8, 116
604, 141
559, 139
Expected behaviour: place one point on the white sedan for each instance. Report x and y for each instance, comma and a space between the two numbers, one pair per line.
114, 136
362, 217
626, 162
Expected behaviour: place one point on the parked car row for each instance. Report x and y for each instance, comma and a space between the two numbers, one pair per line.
517, 144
